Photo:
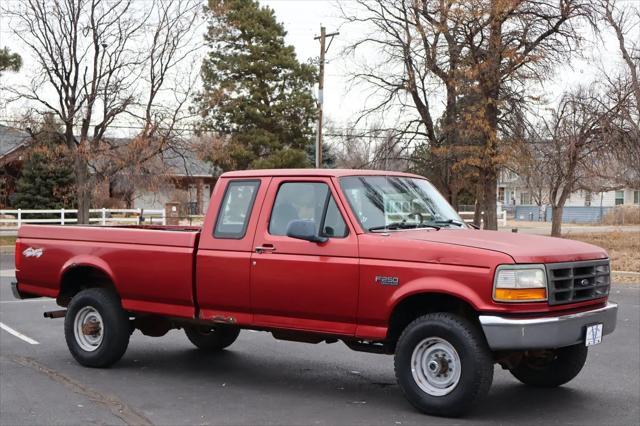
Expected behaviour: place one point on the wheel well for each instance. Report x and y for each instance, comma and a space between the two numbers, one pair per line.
420, 304
80, 278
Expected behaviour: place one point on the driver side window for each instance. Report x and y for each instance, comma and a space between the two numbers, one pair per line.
307, 201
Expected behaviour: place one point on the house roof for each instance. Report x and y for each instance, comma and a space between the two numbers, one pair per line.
11, 139
179, 161
183, 162
186, 162
316, 172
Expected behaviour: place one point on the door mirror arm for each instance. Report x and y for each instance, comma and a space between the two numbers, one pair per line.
305, 230
319, 239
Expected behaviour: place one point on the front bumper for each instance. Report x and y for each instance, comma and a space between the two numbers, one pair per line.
504, 333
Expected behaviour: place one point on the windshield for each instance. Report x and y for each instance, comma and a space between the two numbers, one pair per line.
395, 202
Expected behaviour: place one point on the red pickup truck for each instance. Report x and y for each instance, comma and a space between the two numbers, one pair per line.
378, 260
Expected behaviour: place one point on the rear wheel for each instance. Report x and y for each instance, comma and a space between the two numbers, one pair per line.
443, 364
96, 328
551, 368
212, 338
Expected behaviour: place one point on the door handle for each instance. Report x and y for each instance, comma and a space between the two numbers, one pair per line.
265, 248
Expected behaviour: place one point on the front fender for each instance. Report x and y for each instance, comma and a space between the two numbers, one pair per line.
473, 295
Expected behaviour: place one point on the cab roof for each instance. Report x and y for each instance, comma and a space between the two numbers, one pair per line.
313, 172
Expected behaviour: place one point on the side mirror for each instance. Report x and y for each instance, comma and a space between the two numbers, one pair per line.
304, 230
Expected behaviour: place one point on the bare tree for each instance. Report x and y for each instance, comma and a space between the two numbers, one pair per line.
483, 55
376, 148
419, 46
93, 57
528, 163
624, 21
569, 143
623, 88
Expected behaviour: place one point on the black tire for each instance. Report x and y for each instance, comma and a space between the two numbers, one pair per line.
474, 359
212, 338
115, 327
555, 368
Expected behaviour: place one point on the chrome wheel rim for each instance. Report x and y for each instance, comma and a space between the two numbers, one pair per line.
436, 366
88, 328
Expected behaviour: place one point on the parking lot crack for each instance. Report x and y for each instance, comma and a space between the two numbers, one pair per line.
114, 404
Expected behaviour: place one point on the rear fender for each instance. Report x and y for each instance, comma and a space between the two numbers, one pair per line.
87, 261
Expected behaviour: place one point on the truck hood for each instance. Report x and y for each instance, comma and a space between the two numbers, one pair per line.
523, 248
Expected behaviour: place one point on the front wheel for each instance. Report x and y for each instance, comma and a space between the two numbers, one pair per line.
212, 338
551, 368
443, 364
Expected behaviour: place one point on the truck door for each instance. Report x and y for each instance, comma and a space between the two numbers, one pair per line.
301, 284
225, 248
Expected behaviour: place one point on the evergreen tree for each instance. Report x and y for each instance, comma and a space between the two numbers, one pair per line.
328, 155
47, 180
257, 96
9, 61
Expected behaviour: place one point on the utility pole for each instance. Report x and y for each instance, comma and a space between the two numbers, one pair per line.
323, 50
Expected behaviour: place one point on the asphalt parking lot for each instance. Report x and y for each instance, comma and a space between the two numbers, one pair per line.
260, 380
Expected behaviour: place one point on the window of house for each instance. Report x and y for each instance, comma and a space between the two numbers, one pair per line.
619, 198
587, 198
524, 198
235, 209
636, 197
501, 195
307, 201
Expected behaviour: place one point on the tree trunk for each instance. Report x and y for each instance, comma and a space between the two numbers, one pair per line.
477, 211
490, 82
490, 199
556, 220
477, 214
83, 189
454, 200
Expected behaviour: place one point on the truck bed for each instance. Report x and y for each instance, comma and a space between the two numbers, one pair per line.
151, 267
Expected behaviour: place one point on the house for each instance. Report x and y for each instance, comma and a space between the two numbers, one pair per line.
14, 143
176, 177
583, 206
188, 181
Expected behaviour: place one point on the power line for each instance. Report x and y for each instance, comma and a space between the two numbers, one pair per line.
113, 126
339, 133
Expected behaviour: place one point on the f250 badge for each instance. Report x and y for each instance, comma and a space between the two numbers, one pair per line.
387, 280
32, 252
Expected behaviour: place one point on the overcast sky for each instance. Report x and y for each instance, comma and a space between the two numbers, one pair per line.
302, 20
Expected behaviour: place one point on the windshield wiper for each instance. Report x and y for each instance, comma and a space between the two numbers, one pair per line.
401, 225
448, 222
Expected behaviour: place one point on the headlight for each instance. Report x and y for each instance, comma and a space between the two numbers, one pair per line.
520, 283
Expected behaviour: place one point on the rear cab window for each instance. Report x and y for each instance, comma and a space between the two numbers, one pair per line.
235, 209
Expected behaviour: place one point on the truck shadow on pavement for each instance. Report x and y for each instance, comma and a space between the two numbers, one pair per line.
278, 378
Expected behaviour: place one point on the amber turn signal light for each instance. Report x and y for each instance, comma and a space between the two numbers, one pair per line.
520, 294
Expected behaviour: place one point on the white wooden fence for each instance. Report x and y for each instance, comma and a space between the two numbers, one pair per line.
467, 216
13, 219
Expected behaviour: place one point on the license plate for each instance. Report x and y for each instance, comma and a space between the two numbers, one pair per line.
593, 335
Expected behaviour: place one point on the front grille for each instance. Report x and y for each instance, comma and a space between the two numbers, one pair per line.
571, 282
